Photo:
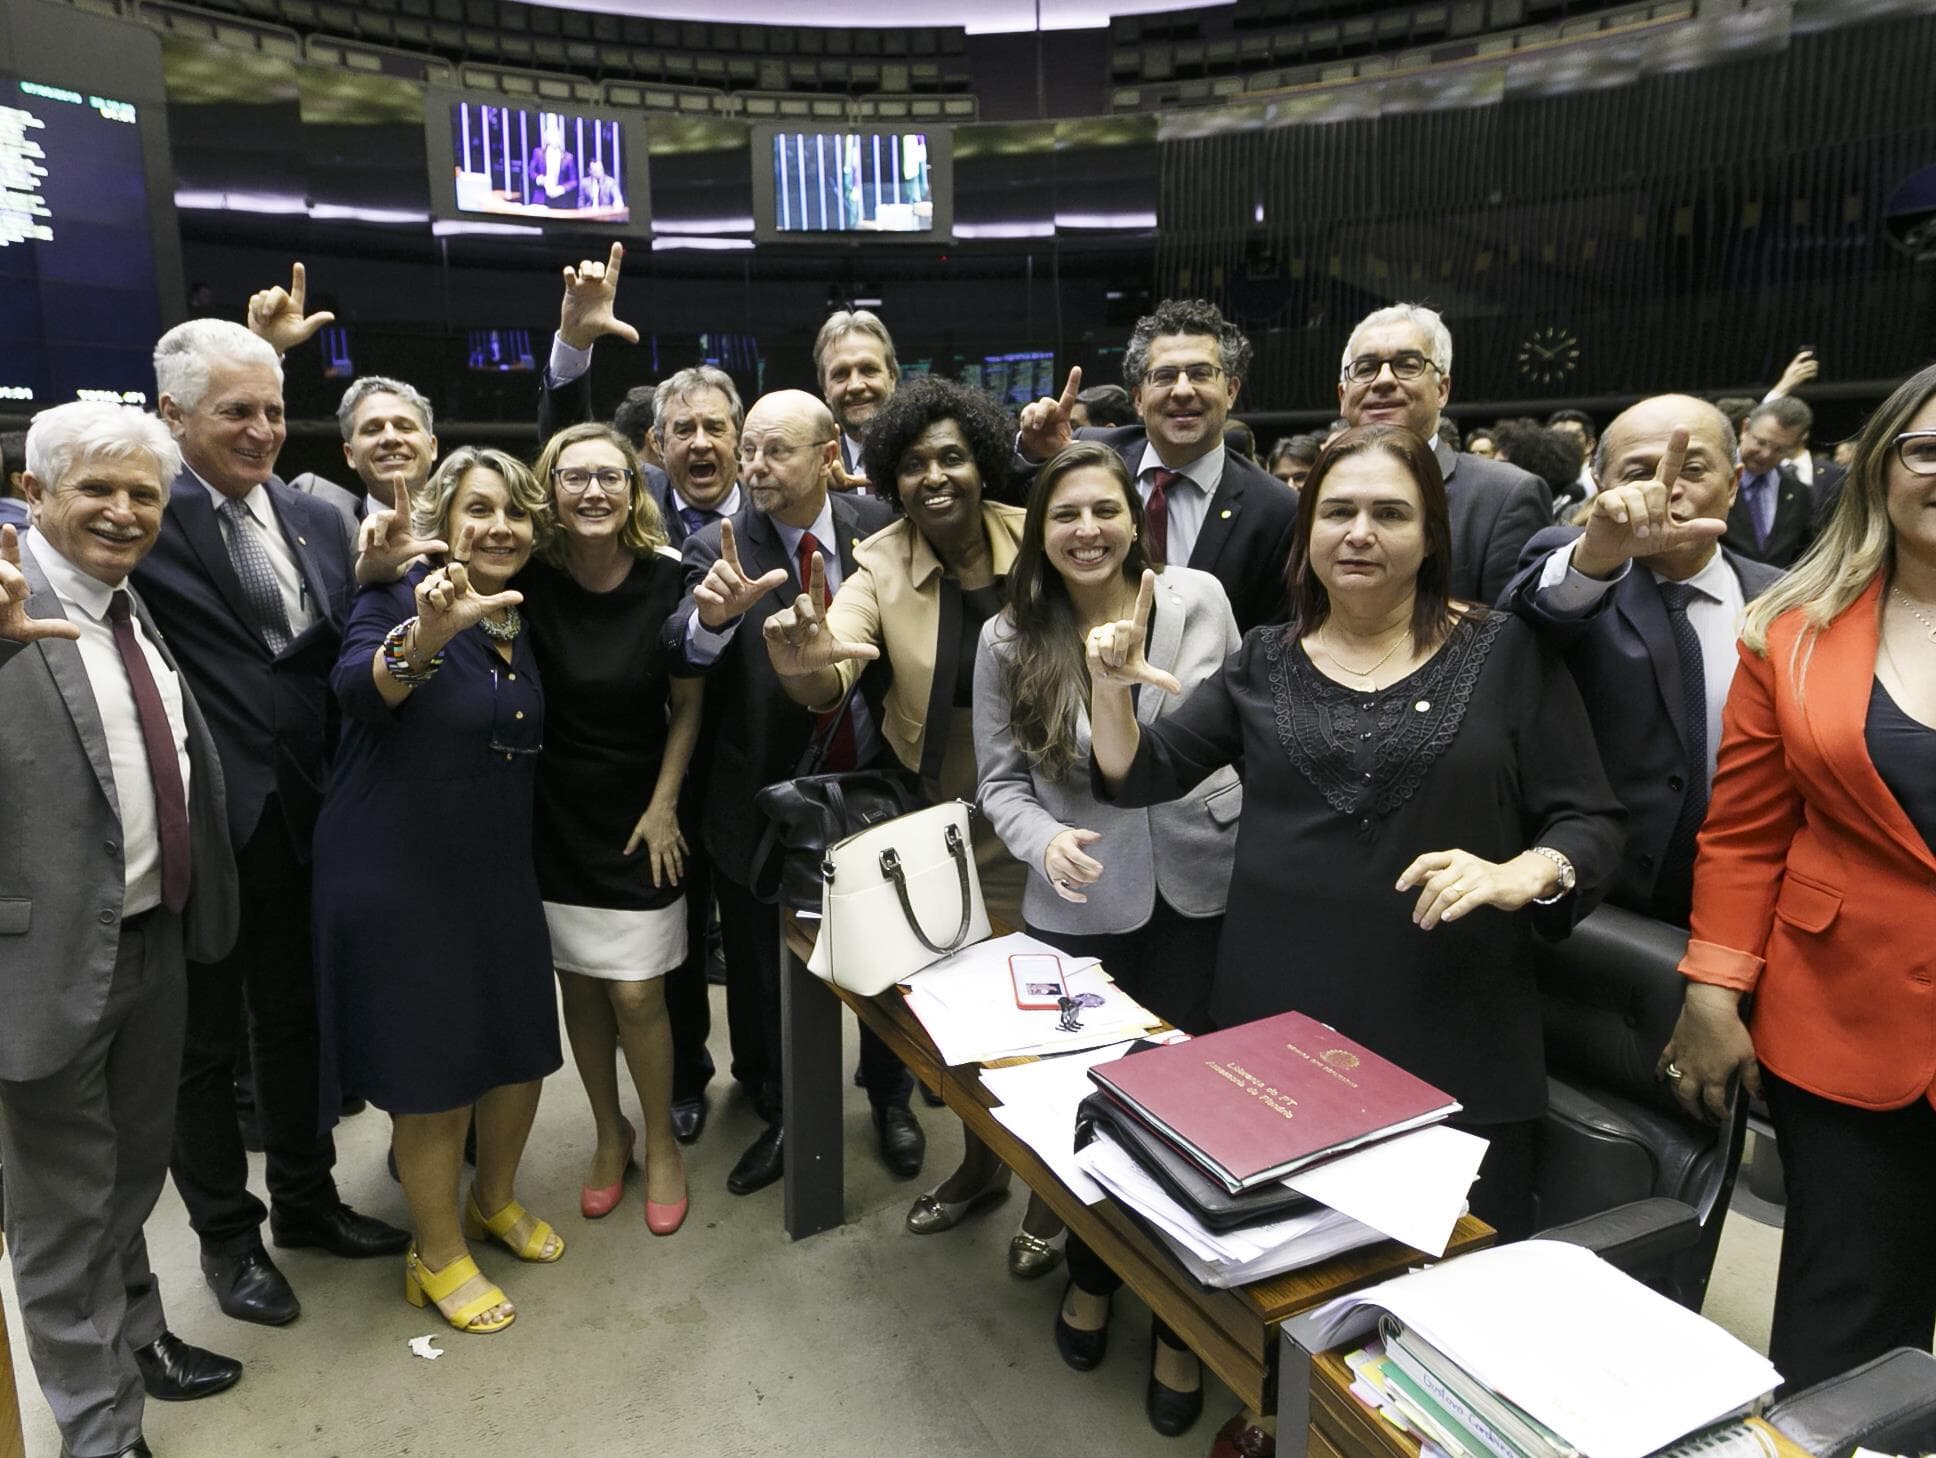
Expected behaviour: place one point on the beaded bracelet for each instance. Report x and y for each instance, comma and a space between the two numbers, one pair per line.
397, 665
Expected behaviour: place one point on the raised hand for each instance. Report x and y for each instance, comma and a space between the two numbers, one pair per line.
726, 593
277, 314
386, 544
1637, 520
838, 478
797, 638
1045, 422
591, 290
447, 603
1115, 650
15, 625
1454, 882
1801, 369
1069, 870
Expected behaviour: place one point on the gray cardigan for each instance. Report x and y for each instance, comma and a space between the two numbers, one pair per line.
1186, 847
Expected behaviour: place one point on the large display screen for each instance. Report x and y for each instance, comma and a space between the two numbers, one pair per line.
79, 313
527, 162
888, 185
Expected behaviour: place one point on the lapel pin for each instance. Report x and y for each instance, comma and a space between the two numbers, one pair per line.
302, 541
1226, 513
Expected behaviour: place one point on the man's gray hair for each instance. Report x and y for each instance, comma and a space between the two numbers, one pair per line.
62, 436
1438, 338
365, 386
1788, 412
185, 355
687, 381
843, 322
1186, 316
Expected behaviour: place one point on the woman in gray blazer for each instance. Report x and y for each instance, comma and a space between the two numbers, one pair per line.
1143, 890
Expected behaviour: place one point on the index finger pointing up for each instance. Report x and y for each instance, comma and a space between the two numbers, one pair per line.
298, 285
817, 584
1071, 390
1145, 599
728, 548
9, 546
1670, 463
612, 262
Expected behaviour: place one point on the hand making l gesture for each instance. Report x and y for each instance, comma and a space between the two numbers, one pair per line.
1636, 520
591, 291
386, 544
1115, 650
1045, 422
447, 603
277, 314
797, 637
15, 625
727, 593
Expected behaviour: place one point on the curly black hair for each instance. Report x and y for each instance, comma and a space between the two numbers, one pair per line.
919, 403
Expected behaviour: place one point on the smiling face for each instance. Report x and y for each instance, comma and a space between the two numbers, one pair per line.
1087, 527
855, 380
1368, 534
1912, 498
1387, 400
1185, 420
233, 435
387, 441
698, 445
501, 529
1766, 443
939, 482
103, 516
599, 513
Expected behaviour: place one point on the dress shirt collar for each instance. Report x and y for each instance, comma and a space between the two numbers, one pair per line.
1715, 581
823, 533
71, 585
725, 508
1206, 471
257, 500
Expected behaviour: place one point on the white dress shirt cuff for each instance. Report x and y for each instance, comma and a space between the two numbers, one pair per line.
567, 361
1564, 589
704, 644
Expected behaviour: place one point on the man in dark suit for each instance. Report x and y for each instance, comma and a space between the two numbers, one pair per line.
738, 572
1397, 370
1204, 505
251, 582
1775, 513
115, 861
1648, 623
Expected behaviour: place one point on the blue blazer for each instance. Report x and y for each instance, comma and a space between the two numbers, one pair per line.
272, 715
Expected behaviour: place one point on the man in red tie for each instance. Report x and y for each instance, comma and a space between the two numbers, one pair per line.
118, 865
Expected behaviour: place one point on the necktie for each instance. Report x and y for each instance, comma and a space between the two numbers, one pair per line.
1761, 505
836, 725
268, 615
158, 739
1679, 863
1156, 514
696, 519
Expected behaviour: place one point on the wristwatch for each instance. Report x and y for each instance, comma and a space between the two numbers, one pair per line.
1568, 876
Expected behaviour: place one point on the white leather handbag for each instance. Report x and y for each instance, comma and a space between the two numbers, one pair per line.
896, 896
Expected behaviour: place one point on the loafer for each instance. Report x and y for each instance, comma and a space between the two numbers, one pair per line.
248, 1287
762, 1164
1082, 1350
903, 1146
340, 1231
1030, 1257
930, 1214
174, 1371
688, 1118
1169, 1411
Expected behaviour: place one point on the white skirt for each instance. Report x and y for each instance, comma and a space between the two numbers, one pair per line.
617, 946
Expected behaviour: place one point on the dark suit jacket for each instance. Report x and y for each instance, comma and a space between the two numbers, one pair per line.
757, 734
1495, 509
1790, 534
1622, 656
571, 404
272, 715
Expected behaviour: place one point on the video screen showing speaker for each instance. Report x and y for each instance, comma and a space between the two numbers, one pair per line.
497, 350
891, 186
79, 313
537, 164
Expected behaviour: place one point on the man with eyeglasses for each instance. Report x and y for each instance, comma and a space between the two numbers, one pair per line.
1775, 513
1205, 505
1397, 370
739, 571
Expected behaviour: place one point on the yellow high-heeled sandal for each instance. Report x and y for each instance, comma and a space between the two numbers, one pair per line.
420, 1283
514, 1227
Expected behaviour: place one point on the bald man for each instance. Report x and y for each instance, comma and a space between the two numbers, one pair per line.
1646, 604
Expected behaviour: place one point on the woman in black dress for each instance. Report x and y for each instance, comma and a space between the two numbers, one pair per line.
1416, 772
620, 734
432, 964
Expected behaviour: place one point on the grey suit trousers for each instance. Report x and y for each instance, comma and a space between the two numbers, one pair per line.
85, 1152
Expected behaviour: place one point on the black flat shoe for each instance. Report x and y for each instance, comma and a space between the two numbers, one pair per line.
903, 1146
174, 1371
1170, 1412
688, 1118
1082, 1350
762, 1164
341, 1232
248, 1287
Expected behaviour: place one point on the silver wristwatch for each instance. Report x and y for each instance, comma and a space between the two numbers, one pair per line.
1568, 876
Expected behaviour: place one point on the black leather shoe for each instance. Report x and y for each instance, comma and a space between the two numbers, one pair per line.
248, 1287
688, 1118
903, 1145
340, 1231
1170, 1412
137, 1449
762, 1164
1082, 1350
174, 1371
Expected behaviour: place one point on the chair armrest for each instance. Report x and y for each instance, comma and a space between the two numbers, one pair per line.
1888, 1404
1635, 1236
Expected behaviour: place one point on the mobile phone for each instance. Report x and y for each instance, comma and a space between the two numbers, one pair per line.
1038, 980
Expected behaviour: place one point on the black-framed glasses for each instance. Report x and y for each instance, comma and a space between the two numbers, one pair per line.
1164, 377
1916, 449
1407, 364
575, 482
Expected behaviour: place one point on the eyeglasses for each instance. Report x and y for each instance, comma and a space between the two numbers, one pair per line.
778, 453
1916, 449
1165, 377
1407, 364
611, 480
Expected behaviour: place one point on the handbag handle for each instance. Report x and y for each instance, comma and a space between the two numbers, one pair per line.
891, 868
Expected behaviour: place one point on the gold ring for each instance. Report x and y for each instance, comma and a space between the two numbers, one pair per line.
1673, 1071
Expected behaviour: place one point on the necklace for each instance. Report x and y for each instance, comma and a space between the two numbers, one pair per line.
1365, 673
1929, 624
506, 631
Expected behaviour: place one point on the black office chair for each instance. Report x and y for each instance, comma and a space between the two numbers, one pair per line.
1614, 1140
1888, 1405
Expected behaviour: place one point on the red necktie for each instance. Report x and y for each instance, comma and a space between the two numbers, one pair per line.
1156, 515
840, 741
158, 738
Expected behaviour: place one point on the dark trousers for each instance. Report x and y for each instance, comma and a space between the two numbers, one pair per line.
1858, 1271
688, 1005
750, 930
271, 967
1165, 964
1502, 1196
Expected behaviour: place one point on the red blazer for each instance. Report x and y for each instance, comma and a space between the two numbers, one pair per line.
1812, 889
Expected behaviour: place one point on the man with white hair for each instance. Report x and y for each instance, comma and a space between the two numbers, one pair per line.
251, 582
117, 862
1397, 370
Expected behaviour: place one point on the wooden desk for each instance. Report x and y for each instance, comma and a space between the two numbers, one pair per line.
1234, 1332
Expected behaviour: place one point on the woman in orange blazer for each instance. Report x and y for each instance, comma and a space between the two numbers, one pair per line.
1815, 892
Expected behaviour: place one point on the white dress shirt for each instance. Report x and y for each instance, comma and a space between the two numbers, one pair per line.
85, 601
282, 556
1188, 498
1714, 613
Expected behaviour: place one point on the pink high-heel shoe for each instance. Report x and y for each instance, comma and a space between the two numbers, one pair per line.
664, 1219
596, 1204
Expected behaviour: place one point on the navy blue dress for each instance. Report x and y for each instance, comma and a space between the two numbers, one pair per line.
433, 964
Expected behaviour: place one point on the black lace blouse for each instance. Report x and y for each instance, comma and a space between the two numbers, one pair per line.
1484, 748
